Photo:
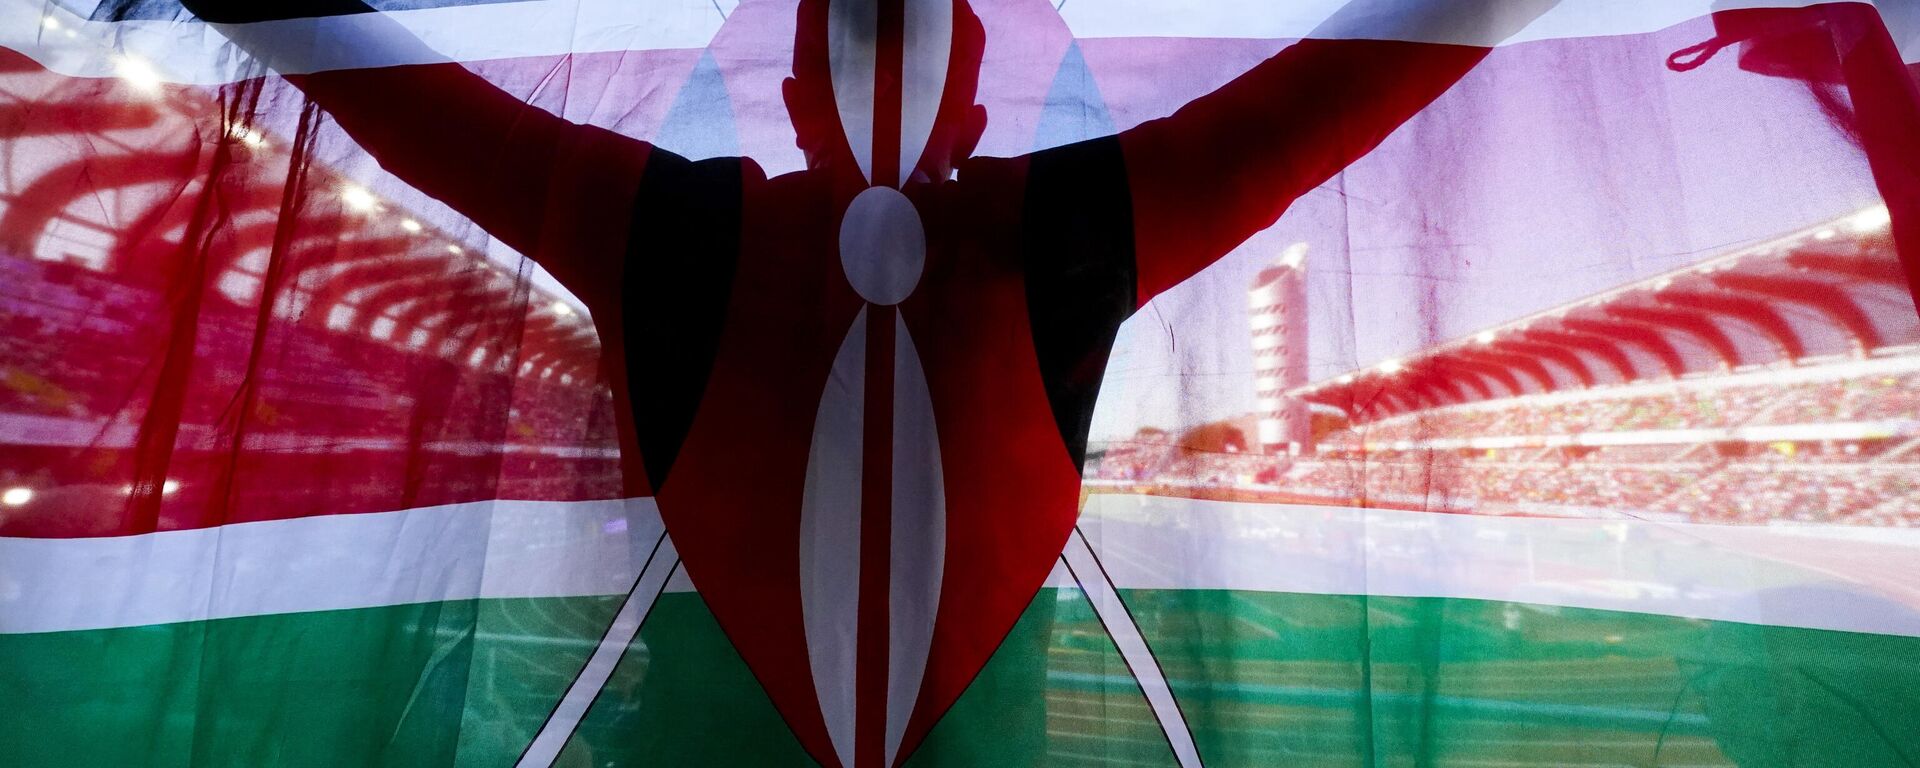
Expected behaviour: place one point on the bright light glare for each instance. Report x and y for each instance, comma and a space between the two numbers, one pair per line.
1484, 337
14, 497
1871, 220
170, 486
137, 73
1825, 234
49, 22
1346, 378
1294, 256
1392, 366
560, 308
247, 136
410, 225
357, 198
456, 250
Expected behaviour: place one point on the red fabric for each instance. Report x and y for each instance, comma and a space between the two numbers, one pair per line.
206, 409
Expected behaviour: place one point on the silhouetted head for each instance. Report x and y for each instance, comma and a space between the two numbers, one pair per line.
840, 45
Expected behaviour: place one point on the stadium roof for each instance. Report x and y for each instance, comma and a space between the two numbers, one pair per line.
110, 177
1833, 290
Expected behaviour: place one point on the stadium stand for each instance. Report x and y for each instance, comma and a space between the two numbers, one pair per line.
1774, 383
346, 356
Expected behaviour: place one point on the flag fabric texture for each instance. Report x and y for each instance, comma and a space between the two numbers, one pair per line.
871, 383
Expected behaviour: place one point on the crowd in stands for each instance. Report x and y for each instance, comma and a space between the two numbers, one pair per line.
44, 322
82, 357
1719, 490
1849, 399
79, 345
1873, 480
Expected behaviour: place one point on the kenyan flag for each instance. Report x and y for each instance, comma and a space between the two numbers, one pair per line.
881, 383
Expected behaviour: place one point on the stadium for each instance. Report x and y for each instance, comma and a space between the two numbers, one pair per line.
324, 327
332, 369
1778, 382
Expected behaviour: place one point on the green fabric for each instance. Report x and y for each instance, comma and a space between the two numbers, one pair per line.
521, 669
681, 696
377, 686
1056, 693
1264, 679
1307, 680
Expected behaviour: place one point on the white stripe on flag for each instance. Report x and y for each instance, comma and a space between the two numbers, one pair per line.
1264, 20
1849, 578
566, 716
196, 53
483, 549
193, 53
1099, 589
1846, 578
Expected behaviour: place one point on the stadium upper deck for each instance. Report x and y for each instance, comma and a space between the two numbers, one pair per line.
191, 334
1775, 382
1830, 292
116, 180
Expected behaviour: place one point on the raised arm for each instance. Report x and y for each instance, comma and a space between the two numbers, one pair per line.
1226, 165
557, 191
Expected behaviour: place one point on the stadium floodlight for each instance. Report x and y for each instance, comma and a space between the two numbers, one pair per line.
1294, 256
562, 309
1870, 220
1392, 365
16, 496
410, 225
137, 73
358, 198
247, 136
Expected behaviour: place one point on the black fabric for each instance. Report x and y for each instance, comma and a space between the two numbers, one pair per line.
1077, 250
243, 11
681, 260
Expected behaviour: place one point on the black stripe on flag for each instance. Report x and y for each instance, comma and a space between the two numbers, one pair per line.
241, 11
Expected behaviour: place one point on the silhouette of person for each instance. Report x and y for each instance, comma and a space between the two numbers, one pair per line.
902, 329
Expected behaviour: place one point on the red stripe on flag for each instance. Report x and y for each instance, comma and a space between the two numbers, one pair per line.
888, 69
876, 542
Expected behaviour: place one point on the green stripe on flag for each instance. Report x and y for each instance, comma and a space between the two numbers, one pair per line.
1267, 678
683, 697
1263, 679
462, 682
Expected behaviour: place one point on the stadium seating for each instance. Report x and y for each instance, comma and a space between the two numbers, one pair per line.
1417, 460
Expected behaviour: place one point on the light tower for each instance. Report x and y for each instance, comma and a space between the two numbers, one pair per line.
1277, 318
